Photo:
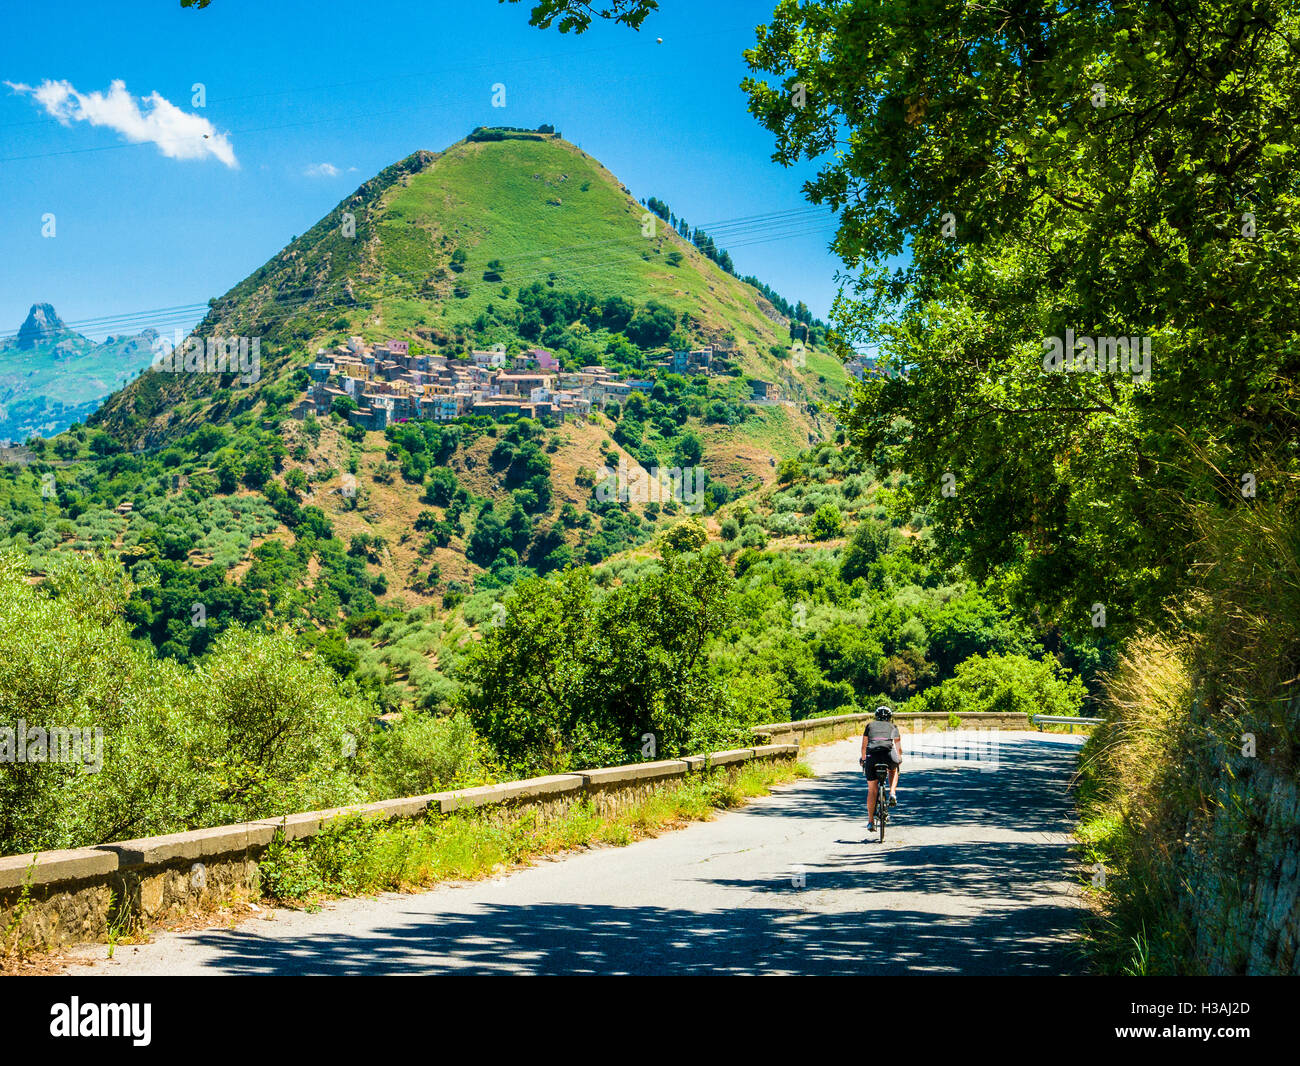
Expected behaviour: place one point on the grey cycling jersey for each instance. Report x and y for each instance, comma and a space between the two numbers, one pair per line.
881, 735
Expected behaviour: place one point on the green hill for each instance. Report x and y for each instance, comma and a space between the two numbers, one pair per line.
206, 483
437, 248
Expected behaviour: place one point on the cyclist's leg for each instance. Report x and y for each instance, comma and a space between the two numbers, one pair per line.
893, 778
871, 797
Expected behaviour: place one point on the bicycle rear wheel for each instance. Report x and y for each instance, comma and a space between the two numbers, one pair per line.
882, 806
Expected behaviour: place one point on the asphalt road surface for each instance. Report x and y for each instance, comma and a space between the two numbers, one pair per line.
974, 877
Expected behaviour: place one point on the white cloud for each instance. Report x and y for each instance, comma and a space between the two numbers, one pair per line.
322, 170
178, 134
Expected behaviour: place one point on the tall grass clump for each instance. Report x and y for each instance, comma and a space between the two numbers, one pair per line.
1188, 791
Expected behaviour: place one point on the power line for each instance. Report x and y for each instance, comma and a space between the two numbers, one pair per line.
422, 105
751, 230
753, 222
442, 71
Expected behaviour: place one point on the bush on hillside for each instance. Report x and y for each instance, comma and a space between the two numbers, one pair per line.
1004, 684
257, 729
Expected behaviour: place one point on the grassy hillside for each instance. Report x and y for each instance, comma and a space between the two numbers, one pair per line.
551, 213
417, 267
516, 242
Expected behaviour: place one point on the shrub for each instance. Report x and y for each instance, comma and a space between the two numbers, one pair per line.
425, 753
826, 523
258, 729
1005, 684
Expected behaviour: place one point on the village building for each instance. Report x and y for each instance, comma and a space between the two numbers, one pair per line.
389, 384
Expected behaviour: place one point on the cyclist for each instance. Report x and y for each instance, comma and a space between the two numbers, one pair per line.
881, 743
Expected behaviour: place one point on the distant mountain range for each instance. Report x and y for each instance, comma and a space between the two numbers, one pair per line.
52, 376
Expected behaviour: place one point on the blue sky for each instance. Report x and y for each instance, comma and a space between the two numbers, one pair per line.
306, 100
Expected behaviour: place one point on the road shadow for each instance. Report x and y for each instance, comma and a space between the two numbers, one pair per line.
552, 938
1028, 791
1016, 925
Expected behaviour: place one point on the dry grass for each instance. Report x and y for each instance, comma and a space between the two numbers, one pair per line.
1179, 706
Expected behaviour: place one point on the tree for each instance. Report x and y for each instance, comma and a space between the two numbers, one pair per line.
995, 144
66, 446
487, 540
228, 470
825, 523
255, 730
1004, 684
870, 541
688, 451
651, 325
296, 482
576, 15
257, 469
616, 313
570, 678
686, 536
441, 486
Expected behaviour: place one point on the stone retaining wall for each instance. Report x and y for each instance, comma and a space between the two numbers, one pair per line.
77, 895
1242, 880
835, 727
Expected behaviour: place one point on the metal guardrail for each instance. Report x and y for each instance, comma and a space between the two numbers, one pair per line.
1062, 719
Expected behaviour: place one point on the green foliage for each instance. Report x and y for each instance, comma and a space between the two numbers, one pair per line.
258, 729
688, 535
576, 15
994, 145
826, 523
652, 325
424, 753
570, 677
1004, 684
870, 541
441, 486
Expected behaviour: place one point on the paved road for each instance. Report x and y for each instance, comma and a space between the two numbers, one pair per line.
973, 880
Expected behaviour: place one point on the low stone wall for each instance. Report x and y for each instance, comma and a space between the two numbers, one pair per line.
57, 898
836, 727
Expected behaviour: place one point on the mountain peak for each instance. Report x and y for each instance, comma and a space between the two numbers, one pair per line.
43, 323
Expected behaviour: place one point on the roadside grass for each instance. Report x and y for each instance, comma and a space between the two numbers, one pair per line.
1134, 775
13, 944
356, 856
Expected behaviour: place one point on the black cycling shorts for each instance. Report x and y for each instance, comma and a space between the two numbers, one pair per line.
876, 756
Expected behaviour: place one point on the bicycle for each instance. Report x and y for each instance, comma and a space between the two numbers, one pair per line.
882, 795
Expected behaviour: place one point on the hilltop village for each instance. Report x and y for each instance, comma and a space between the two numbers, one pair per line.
386, 383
